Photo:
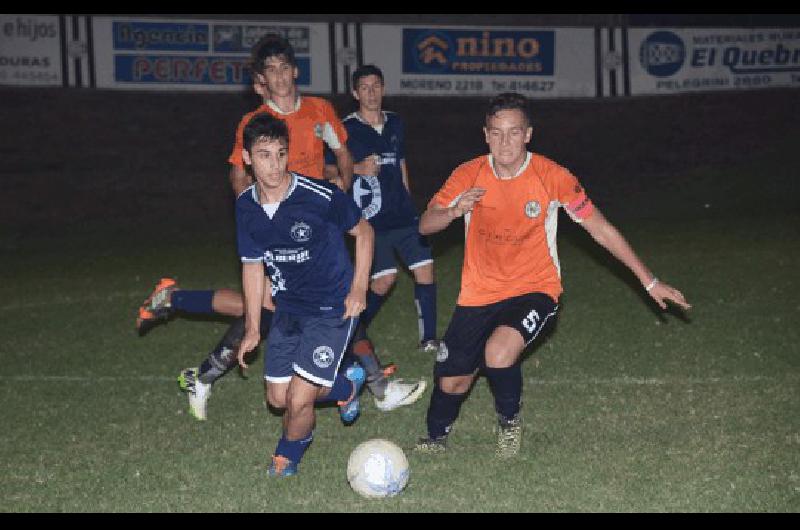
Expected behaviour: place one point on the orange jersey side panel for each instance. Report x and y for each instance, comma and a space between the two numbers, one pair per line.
510, 239
306, 126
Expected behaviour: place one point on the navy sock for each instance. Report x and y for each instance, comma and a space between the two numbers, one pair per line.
374, 303
293, 449
197, 302
341, 390
425, 299
506, 385
442, 412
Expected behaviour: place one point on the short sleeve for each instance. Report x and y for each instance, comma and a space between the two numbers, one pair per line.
344, 212
571, 194
400, 130
335, 135
459, 181
235, 158
249, 250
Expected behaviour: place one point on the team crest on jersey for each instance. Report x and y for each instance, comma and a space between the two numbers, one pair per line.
367, 195
442, 353
301, 232
532, 209
323, 356
318, 130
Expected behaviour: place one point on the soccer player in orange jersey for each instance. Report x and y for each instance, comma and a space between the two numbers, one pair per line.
511, 277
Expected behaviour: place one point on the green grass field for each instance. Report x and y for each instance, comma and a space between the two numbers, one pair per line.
625, 408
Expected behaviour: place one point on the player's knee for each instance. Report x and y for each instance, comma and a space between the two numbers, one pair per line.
276, 399
297, 405
424, 274
455, 385
382, 284
501, 355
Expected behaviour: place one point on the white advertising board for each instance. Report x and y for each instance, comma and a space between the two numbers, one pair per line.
674, 60
30, 50
459, 60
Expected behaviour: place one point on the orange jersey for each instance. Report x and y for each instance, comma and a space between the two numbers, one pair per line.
511, 232
313, 122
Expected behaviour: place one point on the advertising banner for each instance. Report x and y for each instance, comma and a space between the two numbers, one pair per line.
537, 62
200, 54
30, 50
671, 60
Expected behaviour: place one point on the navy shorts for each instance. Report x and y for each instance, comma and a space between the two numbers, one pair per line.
461, 351
413, 248
309, 346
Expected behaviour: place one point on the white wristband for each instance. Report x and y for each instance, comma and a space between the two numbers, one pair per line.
651, 285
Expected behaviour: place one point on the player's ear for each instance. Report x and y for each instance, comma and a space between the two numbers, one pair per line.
355, 94
295, 72
246, 157
486, 133
528, 134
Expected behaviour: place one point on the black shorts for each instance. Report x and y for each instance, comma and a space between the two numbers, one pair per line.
461, 352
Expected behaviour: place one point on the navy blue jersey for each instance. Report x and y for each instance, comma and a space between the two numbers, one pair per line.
302, 245
384, 200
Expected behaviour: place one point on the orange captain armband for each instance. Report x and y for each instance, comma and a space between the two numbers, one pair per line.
580, 208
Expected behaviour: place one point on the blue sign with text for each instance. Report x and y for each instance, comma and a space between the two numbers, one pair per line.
478, 52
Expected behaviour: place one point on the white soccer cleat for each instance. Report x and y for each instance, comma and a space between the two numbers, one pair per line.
429, 346
399, 393
199, 393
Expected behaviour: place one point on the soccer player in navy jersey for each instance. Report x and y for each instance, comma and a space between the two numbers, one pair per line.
376, 139
274, 79
292, 227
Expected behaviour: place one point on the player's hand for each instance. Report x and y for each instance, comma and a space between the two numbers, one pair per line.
355, 303
468, 200
369, 167
248, 344
662, 291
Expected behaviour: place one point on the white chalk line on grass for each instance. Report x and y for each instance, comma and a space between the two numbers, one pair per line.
656, 381
621, 381
83, 379
106, 297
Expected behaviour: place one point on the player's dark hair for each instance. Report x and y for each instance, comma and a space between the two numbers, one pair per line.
508, 101
264, 126
364, 71
271, 45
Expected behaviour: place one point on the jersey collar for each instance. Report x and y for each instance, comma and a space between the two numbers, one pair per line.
271, 104
522, 168
357, 116
289, 190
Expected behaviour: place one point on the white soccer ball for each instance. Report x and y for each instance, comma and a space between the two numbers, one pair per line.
377, 468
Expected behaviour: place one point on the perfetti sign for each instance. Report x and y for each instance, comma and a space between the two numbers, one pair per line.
199, 55
537, 62
683, 60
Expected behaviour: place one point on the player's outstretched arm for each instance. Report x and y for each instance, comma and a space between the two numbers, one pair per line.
356, 300
436, 218
612, 240
253, 282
